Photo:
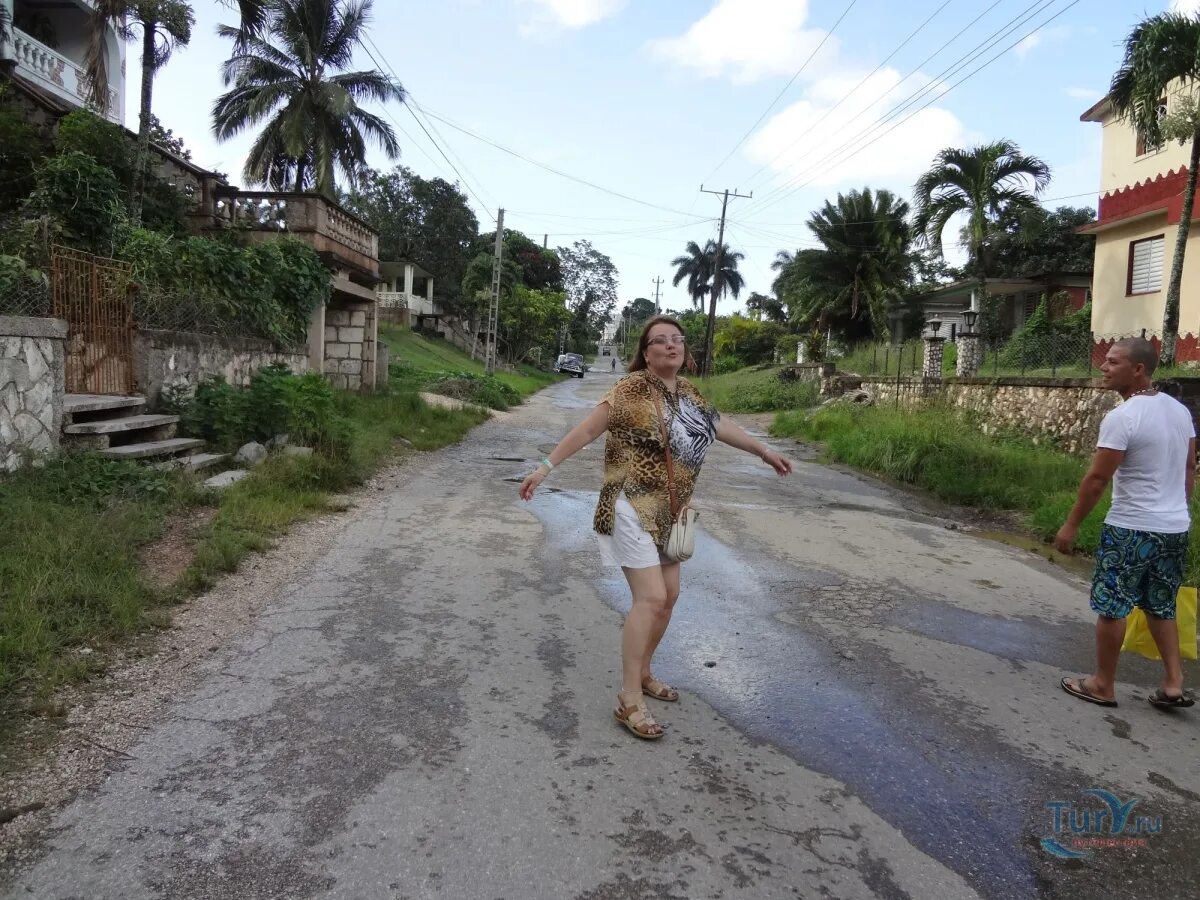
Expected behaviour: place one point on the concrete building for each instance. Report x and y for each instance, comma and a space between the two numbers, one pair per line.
46, 46
1141, 204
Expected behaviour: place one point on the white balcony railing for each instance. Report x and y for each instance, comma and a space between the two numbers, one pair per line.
414, 303
56, 74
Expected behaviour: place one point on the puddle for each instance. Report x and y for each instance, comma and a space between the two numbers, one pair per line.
520, 459
1079, 563
786, 686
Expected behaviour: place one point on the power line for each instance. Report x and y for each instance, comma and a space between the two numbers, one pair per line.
533, 162
484, 205
872, 73
785, 89
987, 43
783, 193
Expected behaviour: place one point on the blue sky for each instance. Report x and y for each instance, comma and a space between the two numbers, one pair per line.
651, 98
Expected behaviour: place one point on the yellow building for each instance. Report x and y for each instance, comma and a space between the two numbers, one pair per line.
1141, 202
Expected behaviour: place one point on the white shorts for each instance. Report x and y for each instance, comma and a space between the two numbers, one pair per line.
630, 545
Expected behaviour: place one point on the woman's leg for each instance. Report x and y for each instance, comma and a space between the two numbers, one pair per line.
670, 575
647, 620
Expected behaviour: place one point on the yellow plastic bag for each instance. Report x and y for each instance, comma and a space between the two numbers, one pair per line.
1137, 633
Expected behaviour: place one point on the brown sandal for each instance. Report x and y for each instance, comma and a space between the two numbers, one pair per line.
652, 687
638, 720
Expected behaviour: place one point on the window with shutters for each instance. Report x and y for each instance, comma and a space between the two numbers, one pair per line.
1146, 265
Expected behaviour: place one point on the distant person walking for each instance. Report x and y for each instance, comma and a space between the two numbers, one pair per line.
1147, 449
614, 364
641, 485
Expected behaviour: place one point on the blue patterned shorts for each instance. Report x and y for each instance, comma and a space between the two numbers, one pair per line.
1137, 568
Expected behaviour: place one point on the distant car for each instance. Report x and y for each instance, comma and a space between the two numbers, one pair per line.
570, 364
605, 352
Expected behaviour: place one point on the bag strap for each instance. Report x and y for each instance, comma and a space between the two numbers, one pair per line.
662, 427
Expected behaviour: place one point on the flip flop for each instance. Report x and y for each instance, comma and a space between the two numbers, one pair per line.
1084, 695
1164, 700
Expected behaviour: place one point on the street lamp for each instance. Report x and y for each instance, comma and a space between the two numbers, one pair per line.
969, 317
935, 325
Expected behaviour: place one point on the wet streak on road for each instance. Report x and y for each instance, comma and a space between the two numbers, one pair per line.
780, 684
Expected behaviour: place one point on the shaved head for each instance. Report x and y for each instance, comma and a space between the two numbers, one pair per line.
1140, 352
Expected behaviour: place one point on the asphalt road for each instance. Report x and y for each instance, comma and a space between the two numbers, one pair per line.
870, 709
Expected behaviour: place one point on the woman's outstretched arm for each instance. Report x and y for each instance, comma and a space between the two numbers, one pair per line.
577, 438
728, 433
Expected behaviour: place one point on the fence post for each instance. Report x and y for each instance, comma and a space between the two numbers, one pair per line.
874, 358
899, 366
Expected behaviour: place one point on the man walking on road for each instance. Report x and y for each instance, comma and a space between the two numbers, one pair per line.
1147, 448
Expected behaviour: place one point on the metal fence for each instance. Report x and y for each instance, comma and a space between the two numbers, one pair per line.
1054, 354
25, 297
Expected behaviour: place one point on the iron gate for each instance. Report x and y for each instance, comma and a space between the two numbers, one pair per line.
92, 293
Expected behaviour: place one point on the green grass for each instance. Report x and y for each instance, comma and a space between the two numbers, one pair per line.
757, 390
422, 361
70, 572
939, 452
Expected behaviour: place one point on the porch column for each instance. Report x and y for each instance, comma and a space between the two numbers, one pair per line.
316, 340
429, 291
408, 282
6, 44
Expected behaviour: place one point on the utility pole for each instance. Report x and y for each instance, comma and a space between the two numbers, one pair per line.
712, 306
545, 242
657, 284
494, 311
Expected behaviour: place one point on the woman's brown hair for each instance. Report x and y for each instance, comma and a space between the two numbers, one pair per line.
639, 358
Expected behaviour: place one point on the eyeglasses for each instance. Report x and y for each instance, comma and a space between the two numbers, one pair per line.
662, 340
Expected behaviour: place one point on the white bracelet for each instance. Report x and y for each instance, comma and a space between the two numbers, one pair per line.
546, 462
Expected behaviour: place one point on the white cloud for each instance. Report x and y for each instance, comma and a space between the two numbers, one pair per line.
569, 14
795, 142
1043, 36
1186, 7
747, 40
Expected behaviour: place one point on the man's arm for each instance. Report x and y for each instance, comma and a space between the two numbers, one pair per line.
1190, 477
1091, 489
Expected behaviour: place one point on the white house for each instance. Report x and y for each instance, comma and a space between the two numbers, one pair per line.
45, 47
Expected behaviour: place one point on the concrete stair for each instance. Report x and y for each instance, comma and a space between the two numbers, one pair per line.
120, 428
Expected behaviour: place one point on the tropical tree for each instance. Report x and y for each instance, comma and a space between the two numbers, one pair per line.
165, 24
984, 183
696, 266
1159, 52
288, 75
863, 270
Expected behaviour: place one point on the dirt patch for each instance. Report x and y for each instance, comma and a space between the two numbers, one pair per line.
164, 561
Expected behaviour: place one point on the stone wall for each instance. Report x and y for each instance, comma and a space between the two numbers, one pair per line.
1063, 412
178, 361
32, 373
350, 335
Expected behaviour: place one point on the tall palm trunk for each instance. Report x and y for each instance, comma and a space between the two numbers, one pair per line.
149, 30
1171, 310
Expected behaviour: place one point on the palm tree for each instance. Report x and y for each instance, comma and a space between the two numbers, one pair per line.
1161, 50
289, 74
165, 24
863, 269
984, 182
696, 265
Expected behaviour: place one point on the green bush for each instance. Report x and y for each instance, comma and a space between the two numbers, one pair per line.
761, 390
21, 150
276, 402
163, 207
266, 290
483, 390
82, 197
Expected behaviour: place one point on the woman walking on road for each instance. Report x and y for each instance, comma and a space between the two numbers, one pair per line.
634, 515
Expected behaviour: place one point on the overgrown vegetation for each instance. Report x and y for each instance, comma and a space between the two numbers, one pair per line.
72, 583
426, 364
935, 450
758, 390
